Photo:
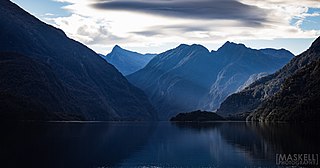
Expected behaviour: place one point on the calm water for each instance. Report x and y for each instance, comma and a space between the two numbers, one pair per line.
162, 144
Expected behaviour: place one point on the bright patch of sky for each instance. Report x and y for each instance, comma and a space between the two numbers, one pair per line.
312, 22
44, 9
155, 26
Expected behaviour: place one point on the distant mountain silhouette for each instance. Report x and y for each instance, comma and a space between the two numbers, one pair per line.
290, 94
47, 76
127, 62
190, 77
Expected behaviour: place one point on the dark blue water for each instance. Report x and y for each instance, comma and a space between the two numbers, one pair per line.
163, 144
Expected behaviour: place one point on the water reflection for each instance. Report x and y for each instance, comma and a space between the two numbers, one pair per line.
197, 126
290, 138
260, 142
163, 144
71, 144
239, 145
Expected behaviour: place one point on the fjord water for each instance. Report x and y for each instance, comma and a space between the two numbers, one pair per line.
162, 144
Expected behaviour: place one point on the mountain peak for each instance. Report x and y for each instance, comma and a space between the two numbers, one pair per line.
193, 47
127, 61
116, 47
181, 46
197, 46
231, 45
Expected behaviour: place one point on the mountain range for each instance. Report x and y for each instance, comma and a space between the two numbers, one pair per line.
44, 75
290, 94
190, 77
127, 62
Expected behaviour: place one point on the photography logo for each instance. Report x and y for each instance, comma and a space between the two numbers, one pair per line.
297, 159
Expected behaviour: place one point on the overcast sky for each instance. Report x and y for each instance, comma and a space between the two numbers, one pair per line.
153, 26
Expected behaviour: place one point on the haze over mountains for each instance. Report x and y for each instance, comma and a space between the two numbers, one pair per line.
127, 62
290, 94
47, 76
190, 77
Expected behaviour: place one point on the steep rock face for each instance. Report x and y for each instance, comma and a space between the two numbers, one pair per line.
93, 89
297, 100
188, 78
239, 64
252, 79
252, 97
248, 99
127, 62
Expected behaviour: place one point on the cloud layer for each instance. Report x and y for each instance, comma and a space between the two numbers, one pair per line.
191, 9
141, 23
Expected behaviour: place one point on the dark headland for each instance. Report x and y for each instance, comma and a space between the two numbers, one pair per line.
197, 116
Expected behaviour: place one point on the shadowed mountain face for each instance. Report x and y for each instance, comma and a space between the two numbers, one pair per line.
22, 78
188, 78
290, 94
127, 62
59, 76
297, 99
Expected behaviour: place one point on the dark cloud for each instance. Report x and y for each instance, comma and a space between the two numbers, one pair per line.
193, 9
148, 33
161, 30
188, 28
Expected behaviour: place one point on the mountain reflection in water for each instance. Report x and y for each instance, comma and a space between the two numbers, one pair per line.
162, 144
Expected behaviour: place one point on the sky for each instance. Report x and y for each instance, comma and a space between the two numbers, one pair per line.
154, 26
